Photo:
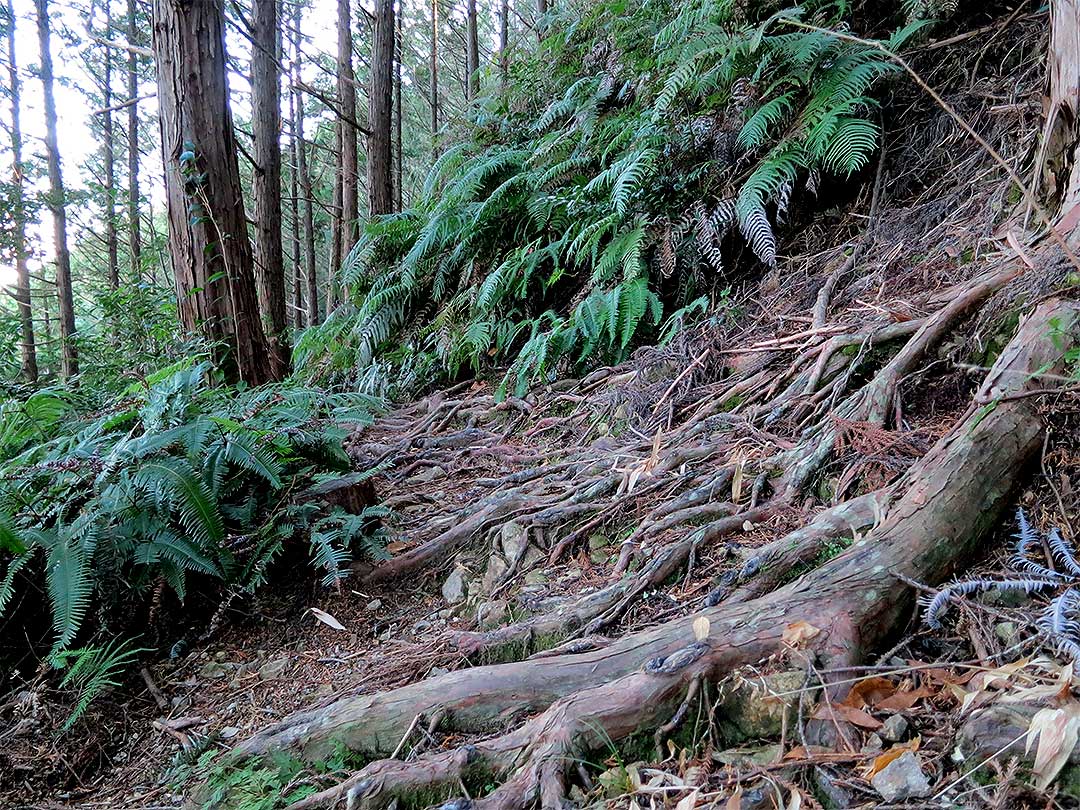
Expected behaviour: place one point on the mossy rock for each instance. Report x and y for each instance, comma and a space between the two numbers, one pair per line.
756, 710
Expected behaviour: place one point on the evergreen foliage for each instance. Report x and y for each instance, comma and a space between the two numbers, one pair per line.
638, 144
176, 480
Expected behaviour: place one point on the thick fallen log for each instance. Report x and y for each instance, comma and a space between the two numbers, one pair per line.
850, 607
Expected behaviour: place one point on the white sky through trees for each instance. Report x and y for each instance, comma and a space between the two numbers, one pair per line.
77, 140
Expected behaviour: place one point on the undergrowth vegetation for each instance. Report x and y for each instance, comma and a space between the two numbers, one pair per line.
176, 480
645, 151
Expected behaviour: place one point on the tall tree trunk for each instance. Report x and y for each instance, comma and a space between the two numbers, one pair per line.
294, 211
109, 158
399, 150
134, 239
380, 112
472, 52
266, 180
350, 189
1058, 164
335, 225
434, 70
504, 42
69, 359
541, 8
305, 178
208, 240
27, 349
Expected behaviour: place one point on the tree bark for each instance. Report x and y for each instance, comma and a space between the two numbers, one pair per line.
108, 147
399, 147
266, 180
335, 225
208, 239
134, 238
346, 88
380, 158
27, 347
434, 71
305, 177
504, 42
294, 212
1057, 169
855, 602
472, 53
69, 359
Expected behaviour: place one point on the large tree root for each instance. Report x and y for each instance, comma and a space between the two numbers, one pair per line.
854, 603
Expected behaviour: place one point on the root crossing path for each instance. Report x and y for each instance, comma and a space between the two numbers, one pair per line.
703, 457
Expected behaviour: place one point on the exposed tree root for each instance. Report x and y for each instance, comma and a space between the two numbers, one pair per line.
852, 604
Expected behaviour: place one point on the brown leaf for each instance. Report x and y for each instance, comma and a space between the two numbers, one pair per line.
849, 714
734, 801
396, 546
326, 618
901, 701
869, 692
893, 753
798, 632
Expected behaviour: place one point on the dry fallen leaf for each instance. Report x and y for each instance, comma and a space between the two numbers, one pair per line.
396, 546
734, 801
1057, 730
902, 701
701, 628
893, 753
869, 692
798, 632
849, 714
795, 801
688, 801
326, 618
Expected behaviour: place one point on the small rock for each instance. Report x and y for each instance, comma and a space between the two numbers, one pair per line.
894, 729
513, 539
212, 670
445, 613
598, 557
873, 745
374, 604
496, 569
536, 578
597, 541
220, 655
437, 671
454, 589
1006, 632
901, 779
421, 626
533, 555
273, 669
491, 614
426, 475
228, 732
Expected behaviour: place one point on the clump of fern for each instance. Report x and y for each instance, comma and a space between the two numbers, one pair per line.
1059, 622
178, 479
635, 159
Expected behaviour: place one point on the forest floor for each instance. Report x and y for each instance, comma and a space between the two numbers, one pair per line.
638, 496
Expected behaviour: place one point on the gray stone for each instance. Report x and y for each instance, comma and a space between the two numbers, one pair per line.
598, 541
536, 578
513, 539
901, 779
491, 614
1006, 632
437, 671
874, 744
273, 669
421, 626
894, 729
496, 569
598, 557
374, 604
228, 732
533, 556
753, 711
212, 670
454, 589
445, 613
